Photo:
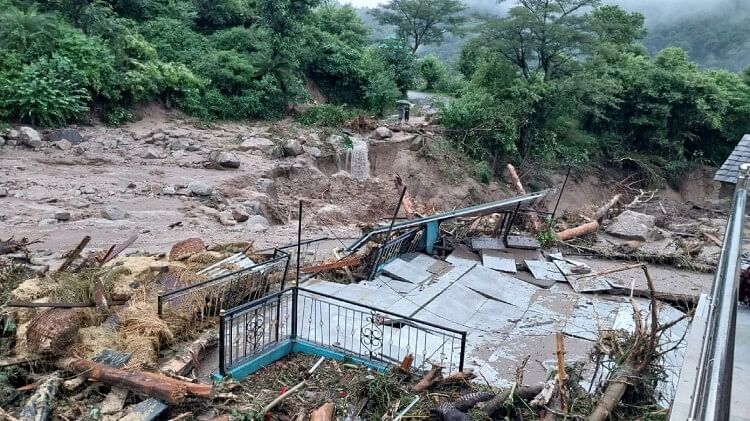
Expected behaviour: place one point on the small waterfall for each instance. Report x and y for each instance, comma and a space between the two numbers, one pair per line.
360, 160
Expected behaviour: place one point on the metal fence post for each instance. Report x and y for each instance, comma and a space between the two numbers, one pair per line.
295, 299
222, 362
159, 304
463, 352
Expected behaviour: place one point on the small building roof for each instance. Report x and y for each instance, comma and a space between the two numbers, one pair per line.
740, 155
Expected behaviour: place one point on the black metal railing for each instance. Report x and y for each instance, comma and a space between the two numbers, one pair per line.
207, 298
380, 256
336, 324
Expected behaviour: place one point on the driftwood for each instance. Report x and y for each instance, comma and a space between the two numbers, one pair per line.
407, 204
324, 413
348, 261
562, 376
584, 229
524, 392
155, 385
602, 212
533, 219
6, 416
434, 376
39, 405
458, 377
183, 363
635, 364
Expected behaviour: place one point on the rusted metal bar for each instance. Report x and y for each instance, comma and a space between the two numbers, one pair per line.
74, 254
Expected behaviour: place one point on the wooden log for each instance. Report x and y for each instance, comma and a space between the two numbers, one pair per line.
151, 384
524, 392
324, 413
430, 379
407, 204
39, 405
562, 376
601, 213
183, 363
458, 377
584, 229
533, 219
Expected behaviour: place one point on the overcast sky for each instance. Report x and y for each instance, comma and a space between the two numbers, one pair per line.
653, 9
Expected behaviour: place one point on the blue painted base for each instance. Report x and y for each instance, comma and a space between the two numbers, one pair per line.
287, 347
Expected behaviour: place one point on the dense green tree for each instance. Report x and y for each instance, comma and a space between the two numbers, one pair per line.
421, 22
400, 61
431, 70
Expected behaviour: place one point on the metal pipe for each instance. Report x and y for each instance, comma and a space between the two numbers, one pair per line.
565, 183
299, 240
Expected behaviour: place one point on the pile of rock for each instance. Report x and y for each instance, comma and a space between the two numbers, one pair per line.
64, 139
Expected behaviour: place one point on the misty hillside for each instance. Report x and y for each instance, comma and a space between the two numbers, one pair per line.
712, 32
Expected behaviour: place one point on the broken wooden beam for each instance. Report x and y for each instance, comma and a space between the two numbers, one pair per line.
155, 385
434, 376
183, 363
533, 218
602, 212
348, 261
74, 254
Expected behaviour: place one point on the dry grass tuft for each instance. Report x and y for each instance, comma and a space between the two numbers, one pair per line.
140, 319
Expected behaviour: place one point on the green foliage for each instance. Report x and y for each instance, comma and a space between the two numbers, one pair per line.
400, 61
420, 22
432, 71
326, 115
546, 237
483, 172
117, 116
42, 94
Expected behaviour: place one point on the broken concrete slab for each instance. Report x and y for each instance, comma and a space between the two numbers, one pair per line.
495, 316
147, 410
487, 243
498, 260
461, 255
462, 301
406, 271
545, 270
530, 279
412, 302
633, 226
521, 242
524, 254
393, 285
497, 286
114, 401
589, 283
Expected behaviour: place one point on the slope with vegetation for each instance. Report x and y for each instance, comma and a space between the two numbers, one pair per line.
60, 60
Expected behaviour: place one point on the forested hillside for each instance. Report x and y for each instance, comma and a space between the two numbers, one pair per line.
226, 59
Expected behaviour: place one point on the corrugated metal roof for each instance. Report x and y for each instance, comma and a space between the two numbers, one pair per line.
740, 155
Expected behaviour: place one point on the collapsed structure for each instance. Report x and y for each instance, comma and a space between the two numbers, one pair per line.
468, 292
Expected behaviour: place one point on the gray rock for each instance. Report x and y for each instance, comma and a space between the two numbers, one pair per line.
336, 140
313, 151
2, 141
383, 133
114, 213
633, 226
46, 222
256, 144
151, 153
277, 152
178, 145
199, 188
62, 215
11, 142
226, 218
30, 137
158, 137
239, 214
168, 190
3, 192
73, 136
37, 193
267, 186
13, 134
251, 207
192, 147
64, 145
416, 144
224, 159
258, 220
293, 147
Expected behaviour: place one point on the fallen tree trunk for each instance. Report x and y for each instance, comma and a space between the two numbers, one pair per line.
429, 380
346, 262
578, 231
39, 405
533, 219
524, 392
185, 361
155, 385
601, 213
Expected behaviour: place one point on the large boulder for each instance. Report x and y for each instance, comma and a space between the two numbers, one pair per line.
631, 225
30, 137
224, 159
186, 248
383, 133
199, 188
260, 144
71, 135
293, 147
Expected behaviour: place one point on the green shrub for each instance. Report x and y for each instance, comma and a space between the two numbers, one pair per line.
175, 40
432, 71
326, 115
117, 116
41, 95
483, 172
